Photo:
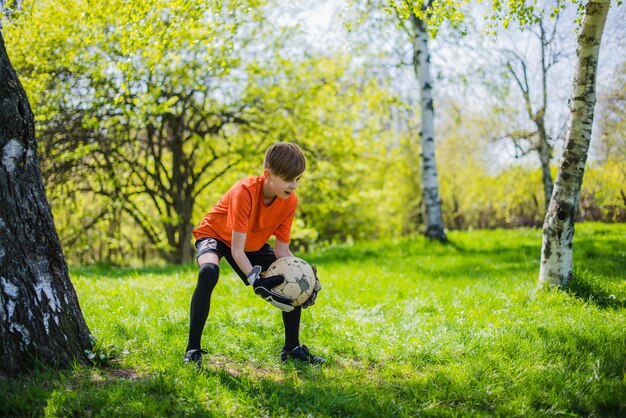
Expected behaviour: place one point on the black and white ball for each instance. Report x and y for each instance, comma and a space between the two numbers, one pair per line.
299, 278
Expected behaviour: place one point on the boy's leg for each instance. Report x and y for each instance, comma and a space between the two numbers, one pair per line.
292, 348
201, 299
208, 253
291, 321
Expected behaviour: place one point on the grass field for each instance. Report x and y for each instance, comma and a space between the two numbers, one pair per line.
409, 328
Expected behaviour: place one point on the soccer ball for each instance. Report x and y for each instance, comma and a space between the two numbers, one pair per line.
299, 278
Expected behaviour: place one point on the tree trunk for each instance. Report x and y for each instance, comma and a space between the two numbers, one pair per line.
41, 321
558, 227
433, 222
181, 192
186, 248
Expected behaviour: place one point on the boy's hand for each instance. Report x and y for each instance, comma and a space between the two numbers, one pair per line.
263, 287
317, 288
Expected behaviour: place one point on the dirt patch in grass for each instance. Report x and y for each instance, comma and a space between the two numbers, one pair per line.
126, 374
227, 365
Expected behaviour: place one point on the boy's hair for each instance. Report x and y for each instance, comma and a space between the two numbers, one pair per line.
285, 160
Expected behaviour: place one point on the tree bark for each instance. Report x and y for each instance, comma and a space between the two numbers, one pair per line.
433, 222
41, 321
558, 227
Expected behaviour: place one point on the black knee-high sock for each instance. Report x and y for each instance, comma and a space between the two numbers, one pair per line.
201, 302
291, 320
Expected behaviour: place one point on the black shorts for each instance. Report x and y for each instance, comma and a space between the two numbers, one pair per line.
263, 257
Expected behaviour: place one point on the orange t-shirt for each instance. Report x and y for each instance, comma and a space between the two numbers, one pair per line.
242, 209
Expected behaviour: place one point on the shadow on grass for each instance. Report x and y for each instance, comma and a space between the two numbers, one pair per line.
604, 292
305, 390
226, 387
88, 392
113, 392
599, 269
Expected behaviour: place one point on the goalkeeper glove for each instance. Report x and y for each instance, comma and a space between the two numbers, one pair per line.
318, 286
263, 287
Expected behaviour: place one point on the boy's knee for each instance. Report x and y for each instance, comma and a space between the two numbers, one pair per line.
208, 275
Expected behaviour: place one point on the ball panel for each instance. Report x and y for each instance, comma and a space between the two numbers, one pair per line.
292, 290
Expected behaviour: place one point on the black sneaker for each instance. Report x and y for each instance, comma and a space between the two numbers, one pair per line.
194, 357
301, 353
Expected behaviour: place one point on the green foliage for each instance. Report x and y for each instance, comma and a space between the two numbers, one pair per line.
434, 12
603, 196
409, 328
138, 103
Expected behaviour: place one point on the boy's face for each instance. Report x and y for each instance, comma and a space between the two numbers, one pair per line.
279, 186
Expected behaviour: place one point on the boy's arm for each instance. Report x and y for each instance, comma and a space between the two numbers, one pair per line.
262, 285
281, 249
237, 249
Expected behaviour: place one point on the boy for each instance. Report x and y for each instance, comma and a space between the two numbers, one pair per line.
238, 228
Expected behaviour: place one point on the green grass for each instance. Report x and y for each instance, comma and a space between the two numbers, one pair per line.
409, 328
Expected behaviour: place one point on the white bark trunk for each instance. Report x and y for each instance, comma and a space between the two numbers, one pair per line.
433, 222
558, 227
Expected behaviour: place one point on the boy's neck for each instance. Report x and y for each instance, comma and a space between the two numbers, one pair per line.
268, 197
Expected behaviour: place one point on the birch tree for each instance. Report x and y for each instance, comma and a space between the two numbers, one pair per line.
420, 15
40, 318
433, 222
558, 227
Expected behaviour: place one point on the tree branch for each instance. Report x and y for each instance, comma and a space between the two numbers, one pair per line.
215, 177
